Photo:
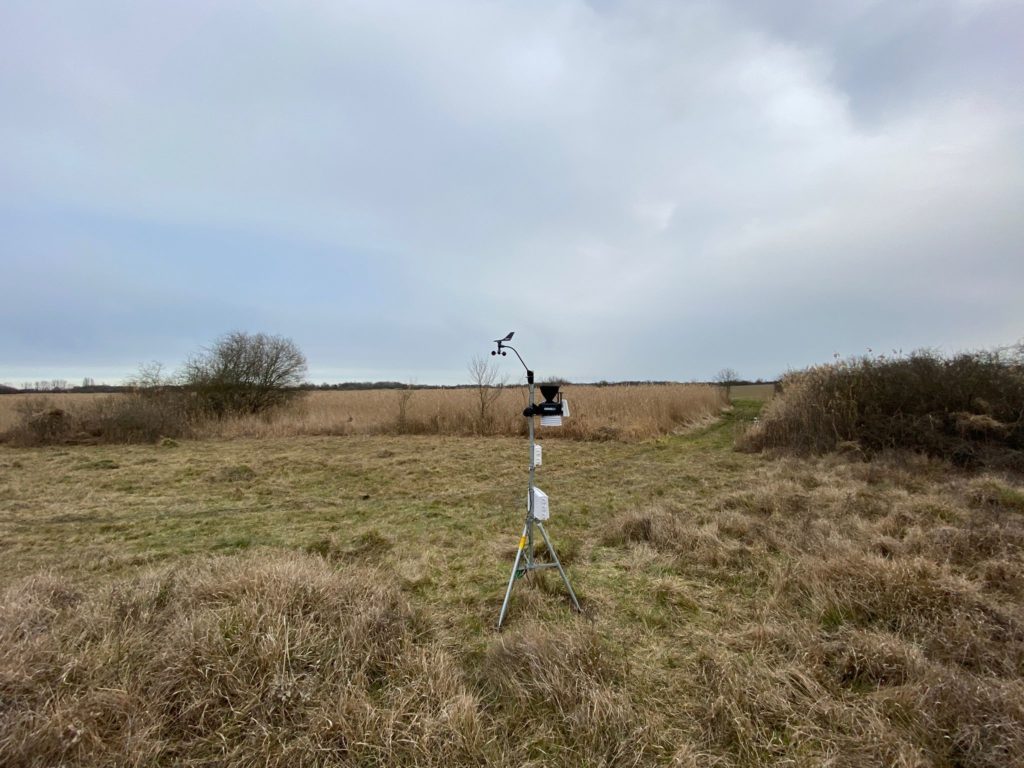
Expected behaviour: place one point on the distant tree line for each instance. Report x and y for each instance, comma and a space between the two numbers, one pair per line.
268, 365
343, 386
346, 385
60, 386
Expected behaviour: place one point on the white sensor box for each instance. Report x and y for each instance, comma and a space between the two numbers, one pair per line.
540, 505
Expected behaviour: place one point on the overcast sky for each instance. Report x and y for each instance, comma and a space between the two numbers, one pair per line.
638, 189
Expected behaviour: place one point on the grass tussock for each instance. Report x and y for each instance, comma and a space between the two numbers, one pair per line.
888, 628
598, 413
269, 659
854, 699
968, 408
948, 617
283, 660
564, 689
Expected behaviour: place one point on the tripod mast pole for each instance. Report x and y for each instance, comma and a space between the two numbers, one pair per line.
526, 540
533, 472
524, 562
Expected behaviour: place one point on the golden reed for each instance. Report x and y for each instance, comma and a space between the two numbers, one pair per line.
625, 412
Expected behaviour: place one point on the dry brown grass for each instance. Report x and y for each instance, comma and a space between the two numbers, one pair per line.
618, 412
277, 659
283, 660
324, 601
601, 413
892, 632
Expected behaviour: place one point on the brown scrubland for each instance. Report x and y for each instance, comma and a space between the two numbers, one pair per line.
313, 600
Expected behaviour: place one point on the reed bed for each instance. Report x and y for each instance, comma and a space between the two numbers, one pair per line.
626, 412
597, 413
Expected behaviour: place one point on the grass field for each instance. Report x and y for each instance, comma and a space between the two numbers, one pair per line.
752, 391
331, 601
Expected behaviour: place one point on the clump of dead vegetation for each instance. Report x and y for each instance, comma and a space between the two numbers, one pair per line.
144, 415
968, 408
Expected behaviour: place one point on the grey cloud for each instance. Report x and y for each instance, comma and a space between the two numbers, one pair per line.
393, 183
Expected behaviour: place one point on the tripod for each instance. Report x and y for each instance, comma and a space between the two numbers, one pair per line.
524, 562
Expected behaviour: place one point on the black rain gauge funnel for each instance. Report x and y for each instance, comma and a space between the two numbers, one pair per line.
551, 412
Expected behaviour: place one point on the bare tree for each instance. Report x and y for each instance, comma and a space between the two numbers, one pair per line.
245, 373
150, 376
484, 376
726, 378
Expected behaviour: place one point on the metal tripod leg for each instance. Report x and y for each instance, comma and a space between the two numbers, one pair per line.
515, 567
561, 570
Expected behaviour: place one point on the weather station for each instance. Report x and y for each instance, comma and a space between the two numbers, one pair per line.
551, 412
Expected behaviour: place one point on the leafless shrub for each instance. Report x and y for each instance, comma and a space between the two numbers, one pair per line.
402, 397
245, 373
968, 408
143, 415
487, 386
44, 427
